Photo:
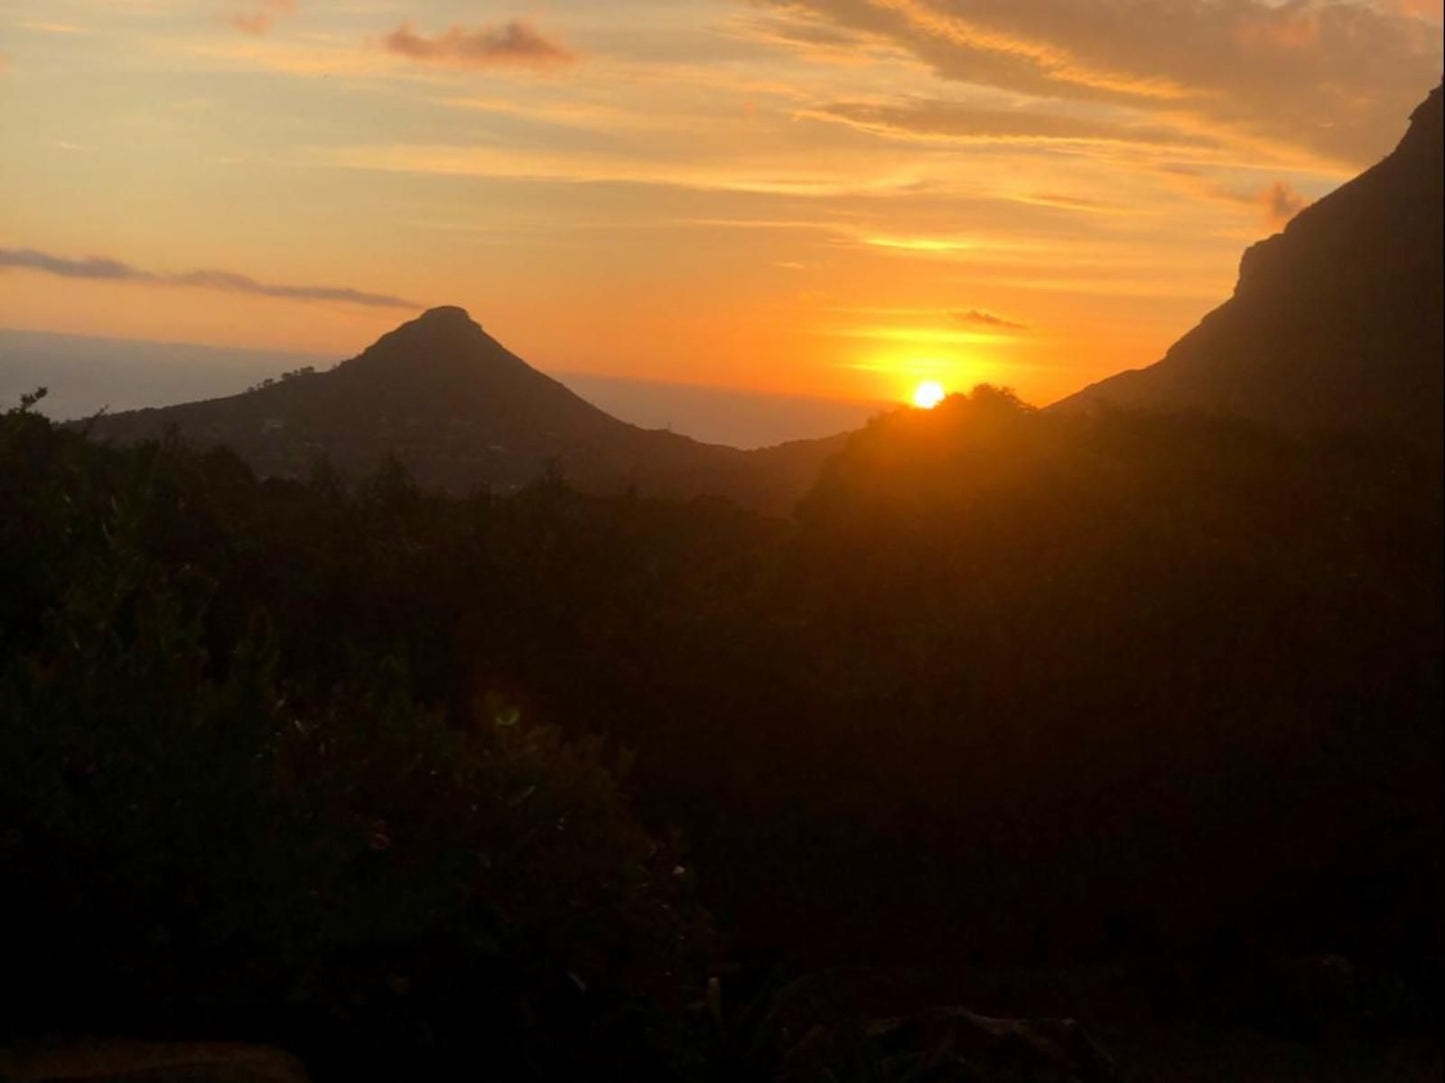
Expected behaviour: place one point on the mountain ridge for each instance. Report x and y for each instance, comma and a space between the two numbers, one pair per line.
1334, 323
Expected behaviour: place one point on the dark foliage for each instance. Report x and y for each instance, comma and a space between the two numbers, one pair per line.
1011, 687
195, 839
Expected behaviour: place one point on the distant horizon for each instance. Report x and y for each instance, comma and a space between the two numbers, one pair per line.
195, 370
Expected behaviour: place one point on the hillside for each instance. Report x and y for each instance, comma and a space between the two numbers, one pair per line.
1335, 323
462, 412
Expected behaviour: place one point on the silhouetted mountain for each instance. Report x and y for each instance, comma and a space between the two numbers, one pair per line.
1335, 323
462, 412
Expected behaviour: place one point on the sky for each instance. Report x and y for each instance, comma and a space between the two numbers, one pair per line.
834, 198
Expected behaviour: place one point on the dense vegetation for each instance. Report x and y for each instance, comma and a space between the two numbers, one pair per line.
337, 762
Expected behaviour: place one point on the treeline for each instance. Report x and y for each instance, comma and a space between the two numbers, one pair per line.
1010, 687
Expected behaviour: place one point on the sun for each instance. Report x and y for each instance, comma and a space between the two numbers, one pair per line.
928, 394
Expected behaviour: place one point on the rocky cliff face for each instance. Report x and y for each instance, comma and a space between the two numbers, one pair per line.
1335, 323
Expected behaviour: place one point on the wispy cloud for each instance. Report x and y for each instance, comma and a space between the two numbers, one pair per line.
1081, 204
1276, 202
810, 39
916, 118
1433, 10
100, 268
261, 16
54, 28
981, 317
514, 43
1330, 77
1280, 202
792, 175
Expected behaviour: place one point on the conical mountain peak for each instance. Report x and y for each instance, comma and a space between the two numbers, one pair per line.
442, 320
445, 314
441, 337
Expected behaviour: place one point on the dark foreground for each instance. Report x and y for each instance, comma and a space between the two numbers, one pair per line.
1126, 720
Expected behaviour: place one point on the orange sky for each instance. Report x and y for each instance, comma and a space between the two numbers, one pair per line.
837, 197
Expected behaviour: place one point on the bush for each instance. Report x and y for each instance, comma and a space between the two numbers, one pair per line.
193, 846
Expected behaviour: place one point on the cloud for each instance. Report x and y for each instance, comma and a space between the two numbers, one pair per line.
1073, 203
54, 28
979, 317
1332, 78
1280, 203
799, 174
813, 41
99, 268
512, 43
258, 19
1276, 203
1419, 9
922, 118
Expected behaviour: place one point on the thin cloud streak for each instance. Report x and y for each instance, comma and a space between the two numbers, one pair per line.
258, 20
785, 178
513, 43
955, 122
100, 268
54, 28
981, 317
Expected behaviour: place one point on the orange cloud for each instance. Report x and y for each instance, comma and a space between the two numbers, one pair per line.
1046, 59
1280, 29
1276, 203
1433, 10
514, 43
1280, 203
919, 118
259, 19
1329, 78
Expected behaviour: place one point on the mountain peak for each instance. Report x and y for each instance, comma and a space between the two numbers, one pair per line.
445, 314
447, 329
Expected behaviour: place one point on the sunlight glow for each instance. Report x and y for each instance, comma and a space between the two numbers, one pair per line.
928, 394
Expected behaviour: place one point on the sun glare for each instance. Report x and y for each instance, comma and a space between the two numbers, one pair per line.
928, 394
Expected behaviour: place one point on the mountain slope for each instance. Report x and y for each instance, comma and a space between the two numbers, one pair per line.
462, 412
1335, 323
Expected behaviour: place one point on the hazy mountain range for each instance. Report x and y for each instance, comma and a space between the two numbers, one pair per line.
461, 412
85, 374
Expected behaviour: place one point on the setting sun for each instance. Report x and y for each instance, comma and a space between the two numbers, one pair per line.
928, 394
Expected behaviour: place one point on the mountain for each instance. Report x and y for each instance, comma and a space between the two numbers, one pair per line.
461, 412
1335, 323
